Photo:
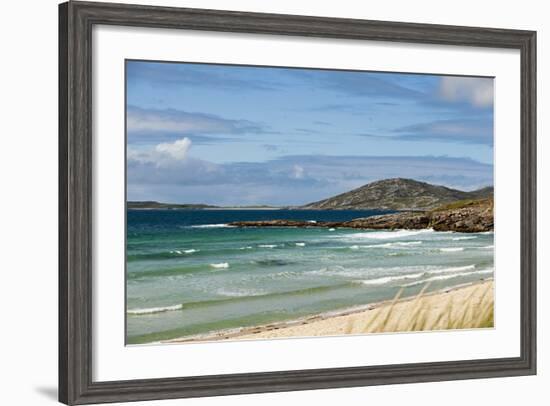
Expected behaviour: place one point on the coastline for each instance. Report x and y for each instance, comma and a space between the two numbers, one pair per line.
466, 217
454, 302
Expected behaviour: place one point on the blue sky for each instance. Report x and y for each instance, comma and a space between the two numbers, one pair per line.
235, 135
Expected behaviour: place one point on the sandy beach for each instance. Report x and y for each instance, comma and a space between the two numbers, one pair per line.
459, 307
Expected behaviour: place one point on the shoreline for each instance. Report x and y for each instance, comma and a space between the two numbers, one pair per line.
342, 321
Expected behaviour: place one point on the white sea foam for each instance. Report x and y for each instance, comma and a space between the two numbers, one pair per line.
388, 245
452, 269
268, 245
300, 244
488, 247
221, 265
312, 221
468, 237
212, 226
454, 249
331, 229
403, 272
387, 279
239, 292
180, 252
387, 235
406, 243
283, 275
449, 276
152, 310
248, 247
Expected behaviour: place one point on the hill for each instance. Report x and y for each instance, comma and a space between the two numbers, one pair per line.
398, 194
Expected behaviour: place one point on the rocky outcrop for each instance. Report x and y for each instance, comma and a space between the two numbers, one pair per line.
407, 220
465, 217
471, 219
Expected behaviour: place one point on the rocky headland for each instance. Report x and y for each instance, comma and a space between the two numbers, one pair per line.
467, 216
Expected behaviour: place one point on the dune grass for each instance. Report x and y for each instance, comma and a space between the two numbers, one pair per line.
476, 310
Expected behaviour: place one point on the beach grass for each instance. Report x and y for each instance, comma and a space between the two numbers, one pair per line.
475, 310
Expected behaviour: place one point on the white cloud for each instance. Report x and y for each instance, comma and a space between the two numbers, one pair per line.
139, 120
468, 131
176, 150
476, 91
164, 154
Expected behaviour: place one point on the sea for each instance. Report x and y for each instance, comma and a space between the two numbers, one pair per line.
189, 273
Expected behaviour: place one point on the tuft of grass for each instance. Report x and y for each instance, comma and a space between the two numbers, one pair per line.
422, 314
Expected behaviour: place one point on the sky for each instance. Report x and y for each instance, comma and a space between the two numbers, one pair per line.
243, 135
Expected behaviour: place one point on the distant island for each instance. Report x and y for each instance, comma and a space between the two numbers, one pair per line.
151, 204
157, 205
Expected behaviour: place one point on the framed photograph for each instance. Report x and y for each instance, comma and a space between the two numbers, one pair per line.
258, 202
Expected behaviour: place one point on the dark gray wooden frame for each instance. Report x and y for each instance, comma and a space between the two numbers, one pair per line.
76, 20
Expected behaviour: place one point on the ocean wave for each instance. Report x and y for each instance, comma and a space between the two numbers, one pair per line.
388, 245
452, 249
237, 295
212, 226
268, 246
398, 254
166, 255
388, 279
283, 275
469, 237
387, 235
452, 269
340, 271
300, 244
488, 247
153, 310
180, 252
331, 229
239, 292
449, 276
271, 262
396, 273
248, 247
221, 265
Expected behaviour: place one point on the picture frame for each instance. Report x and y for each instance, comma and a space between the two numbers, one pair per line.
76, 352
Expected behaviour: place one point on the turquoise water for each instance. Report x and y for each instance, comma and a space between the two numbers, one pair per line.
189, 273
